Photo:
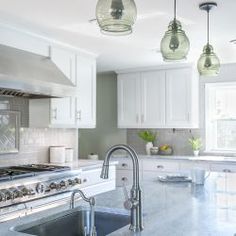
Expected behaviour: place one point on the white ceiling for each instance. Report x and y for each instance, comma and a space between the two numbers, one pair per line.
68, 21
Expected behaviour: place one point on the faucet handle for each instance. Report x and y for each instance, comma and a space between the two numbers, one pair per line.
127, 202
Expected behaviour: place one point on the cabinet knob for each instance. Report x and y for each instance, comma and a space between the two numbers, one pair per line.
160, 167
124, 165
54, 113
124, 179
79, 115
40, 188
142, 118
227, 170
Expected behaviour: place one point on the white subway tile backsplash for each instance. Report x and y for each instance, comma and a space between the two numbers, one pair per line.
34, 145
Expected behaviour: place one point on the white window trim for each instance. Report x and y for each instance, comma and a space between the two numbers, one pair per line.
209, 147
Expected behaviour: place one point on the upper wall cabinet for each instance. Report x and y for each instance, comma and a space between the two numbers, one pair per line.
69, 112
158, 99
86, 98
141, 99
53, 113
129, 100
152, 99
179, 99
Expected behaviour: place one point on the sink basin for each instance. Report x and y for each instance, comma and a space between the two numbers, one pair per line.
73, 223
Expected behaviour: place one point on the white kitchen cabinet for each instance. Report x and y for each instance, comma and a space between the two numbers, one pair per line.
56, 112
63, 111
124, 177
86, 98
72, 112
153, 99
158, 99
160, 166
227, 168
179, 99
65, 60
141, 100
129, 100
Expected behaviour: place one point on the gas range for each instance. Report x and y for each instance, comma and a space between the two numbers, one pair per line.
20, 184
16, 172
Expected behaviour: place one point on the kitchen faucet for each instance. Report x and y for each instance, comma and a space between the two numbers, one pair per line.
92, 229
135, 199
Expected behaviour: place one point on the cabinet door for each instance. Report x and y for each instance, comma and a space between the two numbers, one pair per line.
63, 111
129, 101
124, 177
65, 60
178, 98
153, 99
86, 98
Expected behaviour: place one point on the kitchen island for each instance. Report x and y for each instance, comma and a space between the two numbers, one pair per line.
180, 209
183, 209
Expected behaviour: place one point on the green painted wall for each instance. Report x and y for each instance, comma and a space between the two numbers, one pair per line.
106, 133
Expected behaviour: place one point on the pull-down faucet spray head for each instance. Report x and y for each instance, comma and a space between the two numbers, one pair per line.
105, 172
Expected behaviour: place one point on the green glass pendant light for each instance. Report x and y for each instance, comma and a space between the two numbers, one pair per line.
208, 63
116, 17
175, 44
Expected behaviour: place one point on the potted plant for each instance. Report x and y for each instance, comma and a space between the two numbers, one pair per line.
196, 144
149, 137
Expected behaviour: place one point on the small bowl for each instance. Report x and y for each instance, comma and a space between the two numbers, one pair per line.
154, 150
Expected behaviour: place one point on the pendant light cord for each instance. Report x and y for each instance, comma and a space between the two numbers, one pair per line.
208, 26
175, 10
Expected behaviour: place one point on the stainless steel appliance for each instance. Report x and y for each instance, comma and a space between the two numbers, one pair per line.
19, 184
25, 74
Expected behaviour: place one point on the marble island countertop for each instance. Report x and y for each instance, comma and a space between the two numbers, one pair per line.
183, 209
179, 209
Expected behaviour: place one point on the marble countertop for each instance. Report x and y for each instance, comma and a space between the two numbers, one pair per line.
85, 164
179, 209
183, 209
218, 159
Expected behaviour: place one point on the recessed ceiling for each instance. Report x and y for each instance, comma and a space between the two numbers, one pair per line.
68, 21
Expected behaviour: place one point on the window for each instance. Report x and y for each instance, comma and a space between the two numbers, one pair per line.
220, 117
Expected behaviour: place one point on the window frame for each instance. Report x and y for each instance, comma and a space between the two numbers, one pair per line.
210, 131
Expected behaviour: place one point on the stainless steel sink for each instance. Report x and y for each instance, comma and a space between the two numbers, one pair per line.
73, 223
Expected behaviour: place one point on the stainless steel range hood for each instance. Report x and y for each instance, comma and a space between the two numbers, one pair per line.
30, 75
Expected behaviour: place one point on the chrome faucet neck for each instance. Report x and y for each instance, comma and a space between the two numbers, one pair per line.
91, 201
136, 194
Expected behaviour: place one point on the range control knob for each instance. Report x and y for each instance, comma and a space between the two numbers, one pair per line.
53, 185
2, 197
63, 184
8, 194
77, 181
40, 188
71, 182
16, 193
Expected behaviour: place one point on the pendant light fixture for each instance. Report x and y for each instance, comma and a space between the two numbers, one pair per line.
175, 44
208, 63
116, 17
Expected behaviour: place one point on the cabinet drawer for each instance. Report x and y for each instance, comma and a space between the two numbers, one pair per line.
223, 168
92, 177
188, 166
160, 166
124, 176
124, 164
150, 175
